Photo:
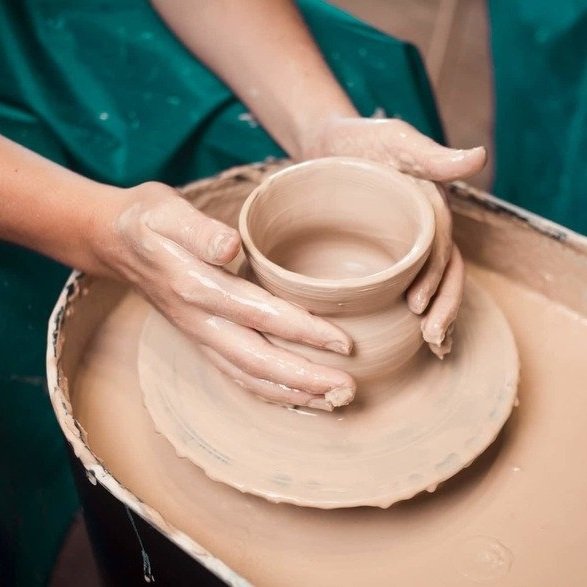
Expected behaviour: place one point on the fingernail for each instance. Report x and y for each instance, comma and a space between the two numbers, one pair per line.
458, 155
339, 346
482, 150
473, 152
434, 333
218, 246
320, 404
418, 303
442, 349
340, 396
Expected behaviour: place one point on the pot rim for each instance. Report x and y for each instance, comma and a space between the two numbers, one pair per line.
421, 246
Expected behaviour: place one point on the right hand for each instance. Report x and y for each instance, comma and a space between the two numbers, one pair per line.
437, 291
173, 254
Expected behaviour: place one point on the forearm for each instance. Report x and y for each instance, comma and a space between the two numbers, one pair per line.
264, 52
48, 208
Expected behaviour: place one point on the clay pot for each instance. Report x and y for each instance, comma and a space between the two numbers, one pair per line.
343, 238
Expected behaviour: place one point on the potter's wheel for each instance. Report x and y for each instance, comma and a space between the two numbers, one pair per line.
398, 441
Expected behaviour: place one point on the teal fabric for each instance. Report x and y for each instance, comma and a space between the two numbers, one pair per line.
103, 87
540, 63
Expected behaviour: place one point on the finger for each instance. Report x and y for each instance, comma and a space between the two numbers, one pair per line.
202, 236
272, 392
426, 283
418, 155
223, 294
438, 324
253, 354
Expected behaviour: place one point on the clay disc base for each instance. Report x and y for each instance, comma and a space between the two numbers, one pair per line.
404, 437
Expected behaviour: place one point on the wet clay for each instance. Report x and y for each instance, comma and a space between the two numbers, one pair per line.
227, 315
401, 435
415, 421
515, 518
344, 238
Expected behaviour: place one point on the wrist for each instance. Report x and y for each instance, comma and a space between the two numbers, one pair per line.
101, 243
119, 225
299, 125
52, 210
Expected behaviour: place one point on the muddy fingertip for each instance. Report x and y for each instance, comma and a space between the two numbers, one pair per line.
342, 347
417, 301
341, 396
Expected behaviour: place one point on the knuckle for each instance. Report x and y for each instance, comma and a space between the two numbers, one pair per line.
441, 255
261, 321
146, 222
254, 365
152, 186
192, 237
156, 190
254, 362
180, 288
444, 217
457, 258
445, 256
399, 125
428, 288
435, 268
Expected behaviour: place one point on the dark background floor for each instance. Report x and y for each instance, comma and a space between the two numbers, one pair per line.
75, 566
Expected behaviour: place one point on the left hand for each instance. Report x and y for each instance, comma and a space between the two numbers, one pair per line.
438, 288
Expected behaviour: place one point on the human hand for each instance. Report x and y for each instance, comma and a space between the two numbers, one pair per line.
438, 288
173, 254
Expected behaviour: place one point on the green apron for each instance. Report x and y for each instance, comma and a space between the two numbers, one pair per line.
540, 60
102, 87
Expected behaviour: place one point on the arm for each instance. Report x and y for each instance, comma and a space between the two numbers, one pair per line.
170, 252
264, 51
49, 209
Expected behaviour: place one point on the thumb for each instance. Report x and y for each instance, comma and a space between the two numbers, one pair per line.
207, 239
416, 154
